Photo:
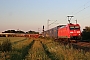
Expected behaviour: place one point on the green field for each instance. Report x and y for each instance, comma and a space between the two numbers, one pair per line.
41, 49
19, 47
64, 52
12, 39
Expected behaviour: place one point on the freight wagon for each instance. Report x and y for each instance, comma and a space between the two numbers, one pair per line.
52, 33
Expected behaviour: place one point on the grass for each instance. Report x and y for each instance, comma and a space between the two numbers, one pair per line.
71, 54
20, 53
37, 52
63, 52
19, 48
12, 39
50, 55
44, 49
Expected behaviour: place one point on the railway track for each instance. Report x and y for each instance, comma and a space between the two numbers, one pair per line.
82, 45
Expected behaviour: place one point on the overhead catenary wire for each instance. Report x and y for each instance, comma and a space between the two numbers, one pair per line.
81, 9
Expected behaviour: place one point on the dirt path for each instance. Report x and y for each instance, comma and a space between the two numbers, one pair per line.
37, 52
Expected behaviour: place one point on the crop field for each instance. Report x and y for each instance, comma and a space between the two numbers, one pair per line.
44, 49
18, 43
37, 52
12, 39
65, 52
41, 49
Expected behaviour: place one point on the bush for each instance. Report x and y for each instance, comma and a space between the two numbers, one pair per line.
6, 46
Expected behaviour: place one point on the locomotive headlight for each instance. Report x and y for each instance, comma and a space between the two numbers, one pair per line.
78, 31
71, 32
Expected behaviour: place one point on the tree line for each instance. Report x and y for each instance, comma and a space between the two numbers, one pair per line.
19, 31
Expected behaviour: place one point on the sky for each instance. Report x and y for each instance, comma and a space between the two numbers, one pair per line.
29, 15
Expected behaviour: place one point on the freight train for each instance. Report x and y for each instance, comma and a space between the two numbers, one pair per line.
65, 32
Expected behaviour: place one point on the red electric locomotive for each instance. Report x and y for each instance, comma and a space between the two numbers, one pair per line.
64, 32
70, 31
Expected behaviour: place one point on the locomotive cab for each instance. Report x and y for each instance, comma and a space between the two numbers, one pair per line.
75, 32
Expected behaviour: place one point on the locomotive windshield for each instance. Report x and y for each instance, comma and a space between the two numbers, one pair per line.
74, 27
77, 27
71, 27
